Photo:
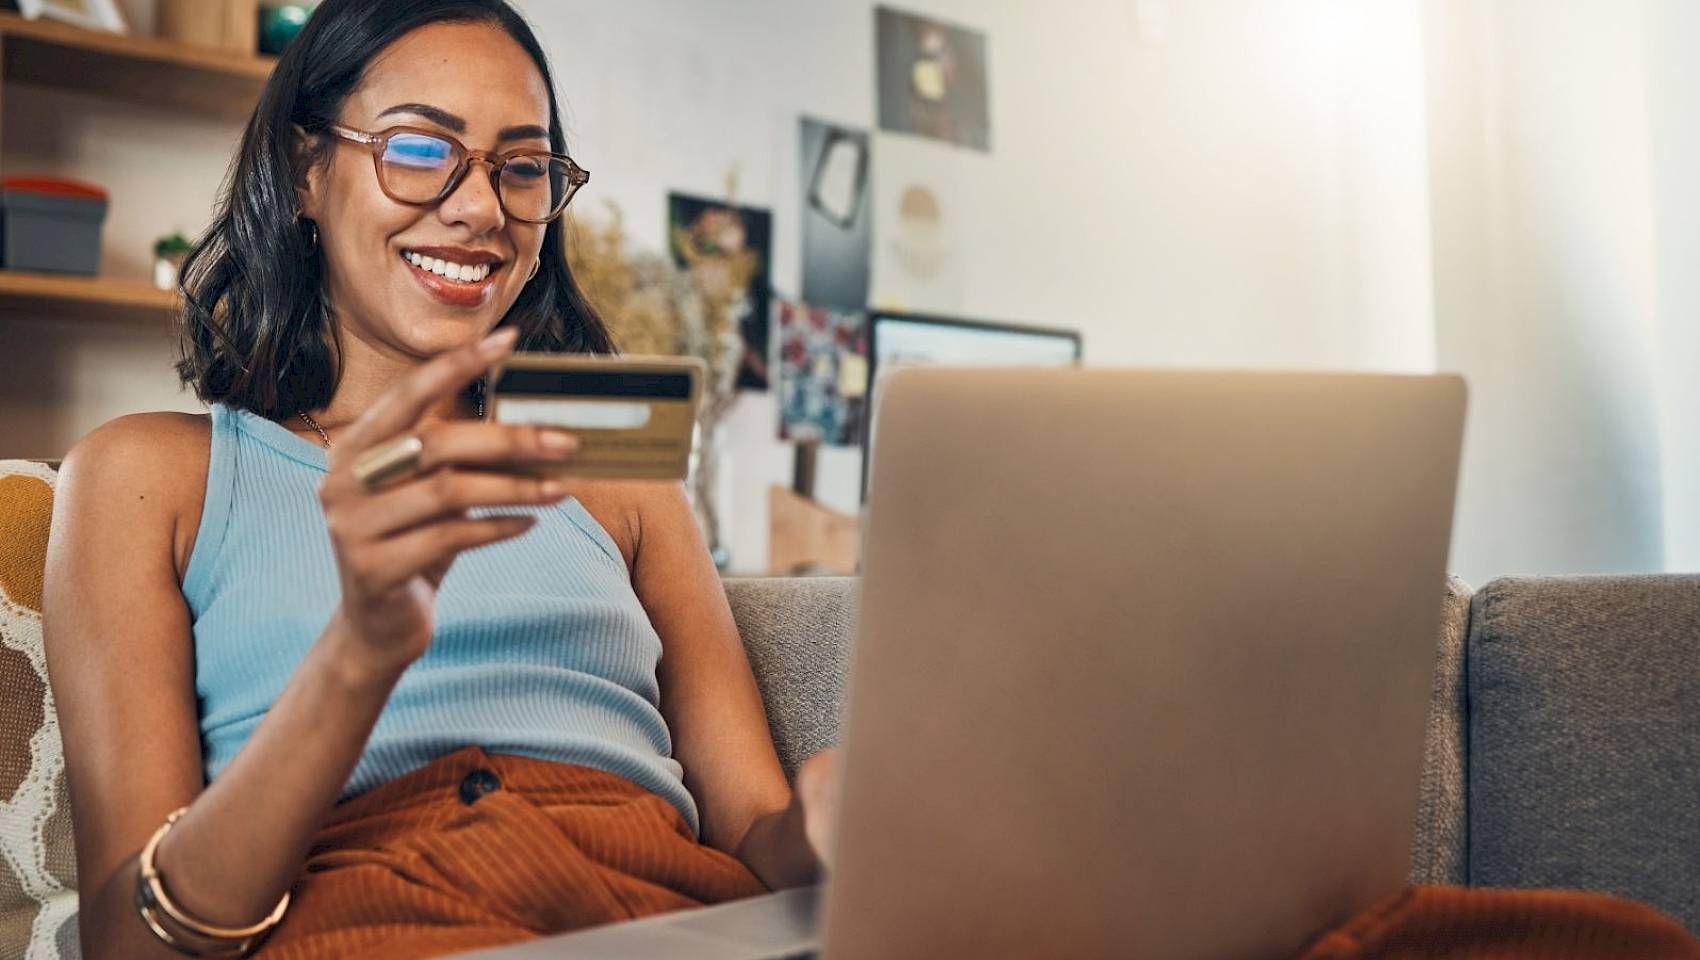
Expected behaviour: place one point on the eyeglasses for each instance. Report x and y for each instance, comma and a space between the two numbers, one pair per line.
422, 168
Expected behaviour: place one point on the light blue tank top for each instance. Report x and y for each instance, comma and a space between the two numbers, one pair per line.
541, 648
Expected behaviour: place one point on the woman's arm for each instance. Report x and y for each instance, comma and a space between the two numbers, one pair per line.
120, 647
120, 655
709, 696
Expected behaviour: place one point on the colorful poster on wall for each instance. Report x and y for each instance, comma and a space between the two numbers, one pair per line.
823, 373
932, 79
837, 206
726, 249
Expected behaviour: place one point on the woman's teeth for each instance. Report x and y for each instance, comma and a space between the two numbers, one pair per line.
448, 270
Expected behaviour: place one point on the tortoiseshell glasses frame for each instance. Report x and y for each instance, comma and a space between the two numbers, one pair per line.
452, 163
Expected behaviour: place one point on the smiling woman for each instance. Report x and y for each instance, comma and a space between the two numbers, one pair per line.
257, 331
351, 688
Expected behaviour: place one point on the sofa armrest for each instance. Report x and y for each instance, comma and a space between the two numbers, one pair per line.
1584, 737
1438, 845
797, 632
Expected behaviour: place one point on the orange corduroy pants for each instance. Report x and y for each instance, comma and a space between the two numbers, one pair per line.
475, 849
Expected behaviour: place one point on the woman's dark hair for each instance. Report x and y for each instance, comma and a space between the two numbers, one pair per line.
256, 333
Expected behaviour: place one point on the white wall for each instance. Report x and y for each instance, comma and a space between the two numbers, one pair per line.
1243, 187
1673, 29
1239, 183
1546, 283
1249, 189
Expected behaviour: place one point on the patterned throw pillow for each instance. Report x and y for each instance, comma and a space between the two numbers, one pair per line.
38, 881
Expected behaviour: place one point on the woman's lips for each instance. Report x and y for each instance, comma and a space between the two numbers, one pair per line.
455, 293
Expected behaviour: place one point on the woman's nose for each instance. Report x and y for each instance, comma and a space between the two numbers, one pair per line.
474, 201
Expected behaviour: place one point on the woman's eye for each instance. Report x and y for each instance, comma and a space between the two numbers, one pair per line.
416, 151
524, 169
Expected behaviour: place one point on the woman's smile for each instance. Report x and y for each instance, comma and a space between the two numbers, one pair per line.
454, 276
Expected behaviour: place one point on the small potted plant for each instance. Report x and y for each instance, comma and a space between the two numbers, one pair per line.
168, 255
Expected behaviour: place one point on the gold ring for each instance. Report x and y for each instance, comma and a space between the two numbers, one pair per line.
388, 461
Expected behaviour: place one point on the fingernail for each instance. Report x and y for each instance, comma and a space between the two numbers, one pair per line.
497, 343
556, 442
554, 488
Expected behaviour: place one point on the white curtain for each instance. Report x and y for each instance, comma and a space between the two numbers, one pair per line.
1563, 140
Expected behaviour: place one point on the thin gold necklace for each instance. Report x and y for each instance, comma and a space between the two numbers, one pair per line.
316, 428
325, 438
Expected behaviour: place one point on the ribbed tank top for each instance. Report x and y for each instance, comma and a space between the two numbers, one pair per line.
540, 648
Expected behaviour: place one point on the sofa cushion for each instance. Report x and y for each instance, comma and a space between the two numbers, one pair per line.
1437, 847
797, 633
38, 899
1584, 737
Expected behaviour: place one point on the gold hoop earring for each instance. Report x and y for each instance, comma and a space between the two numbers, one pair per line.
312, 234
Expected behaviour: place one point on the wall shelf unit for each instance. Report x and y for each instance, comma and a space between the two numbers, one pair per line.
147, 69
161, 73
62, 296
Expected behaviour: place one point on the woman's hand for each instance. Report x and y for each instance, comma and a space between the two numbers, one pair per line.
816, 790
792, 846
394, 545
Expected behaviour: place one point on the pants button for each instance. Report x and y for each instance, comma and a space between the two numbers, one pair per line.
476, 784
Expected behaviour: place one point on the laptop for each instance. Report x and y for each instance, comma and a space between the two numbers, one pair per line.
1142, 668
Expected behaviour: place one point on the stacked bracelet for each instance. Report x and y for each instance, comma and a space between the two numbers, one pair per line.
181, 931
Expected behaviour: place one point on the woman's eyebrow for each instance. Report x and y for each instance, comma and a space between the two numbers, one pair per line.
443, 118
525, 131
440, 117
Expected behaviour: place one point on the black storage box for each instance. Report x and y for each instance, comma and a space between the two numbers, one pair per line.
51, 224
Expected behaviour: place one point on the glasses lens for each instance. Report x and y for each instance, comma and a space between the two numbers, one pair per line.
535, 187
418, 166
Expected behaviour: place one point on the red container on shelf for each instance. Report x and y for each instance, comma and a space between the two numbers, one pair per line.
51, 224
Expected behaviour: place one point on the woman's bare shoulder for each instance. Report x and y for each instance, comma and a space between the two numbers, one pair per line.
611, 504
146, 468
149, 449
626, 508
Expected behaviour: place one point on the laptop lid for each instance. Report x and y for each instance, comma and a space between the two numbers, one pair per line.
1143, 660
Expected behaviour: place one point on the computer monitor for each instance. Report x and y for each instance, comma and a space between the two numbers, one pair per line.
898, 339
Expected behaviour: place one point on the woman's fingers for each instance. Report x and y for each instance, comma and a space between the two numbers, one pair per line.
479, 445
454, 476
385, 564
447, 494
398, 410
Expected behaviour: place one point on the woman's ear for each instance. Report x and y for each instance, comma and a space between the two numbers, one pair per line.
309, 172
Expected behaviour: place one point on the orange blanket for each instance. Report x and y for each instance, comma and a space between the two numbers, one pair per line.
1456, 923
475, 850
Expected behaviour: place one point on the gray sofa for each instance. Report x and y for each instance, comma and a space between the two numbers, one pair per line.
1563, 744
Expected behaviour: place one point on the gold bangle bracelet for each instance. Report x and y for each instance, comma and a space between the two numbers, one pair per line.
180, 941
151, 900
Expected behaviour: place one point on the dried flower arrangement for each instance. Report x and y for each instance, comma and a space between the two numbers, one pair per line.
653, 307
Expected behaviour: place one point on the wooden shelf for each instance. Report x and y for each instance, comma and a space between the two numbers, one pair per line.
142, 69
63, 296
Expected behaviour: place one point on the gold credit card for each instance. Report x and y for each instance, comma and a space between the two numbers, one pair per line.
633, 416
